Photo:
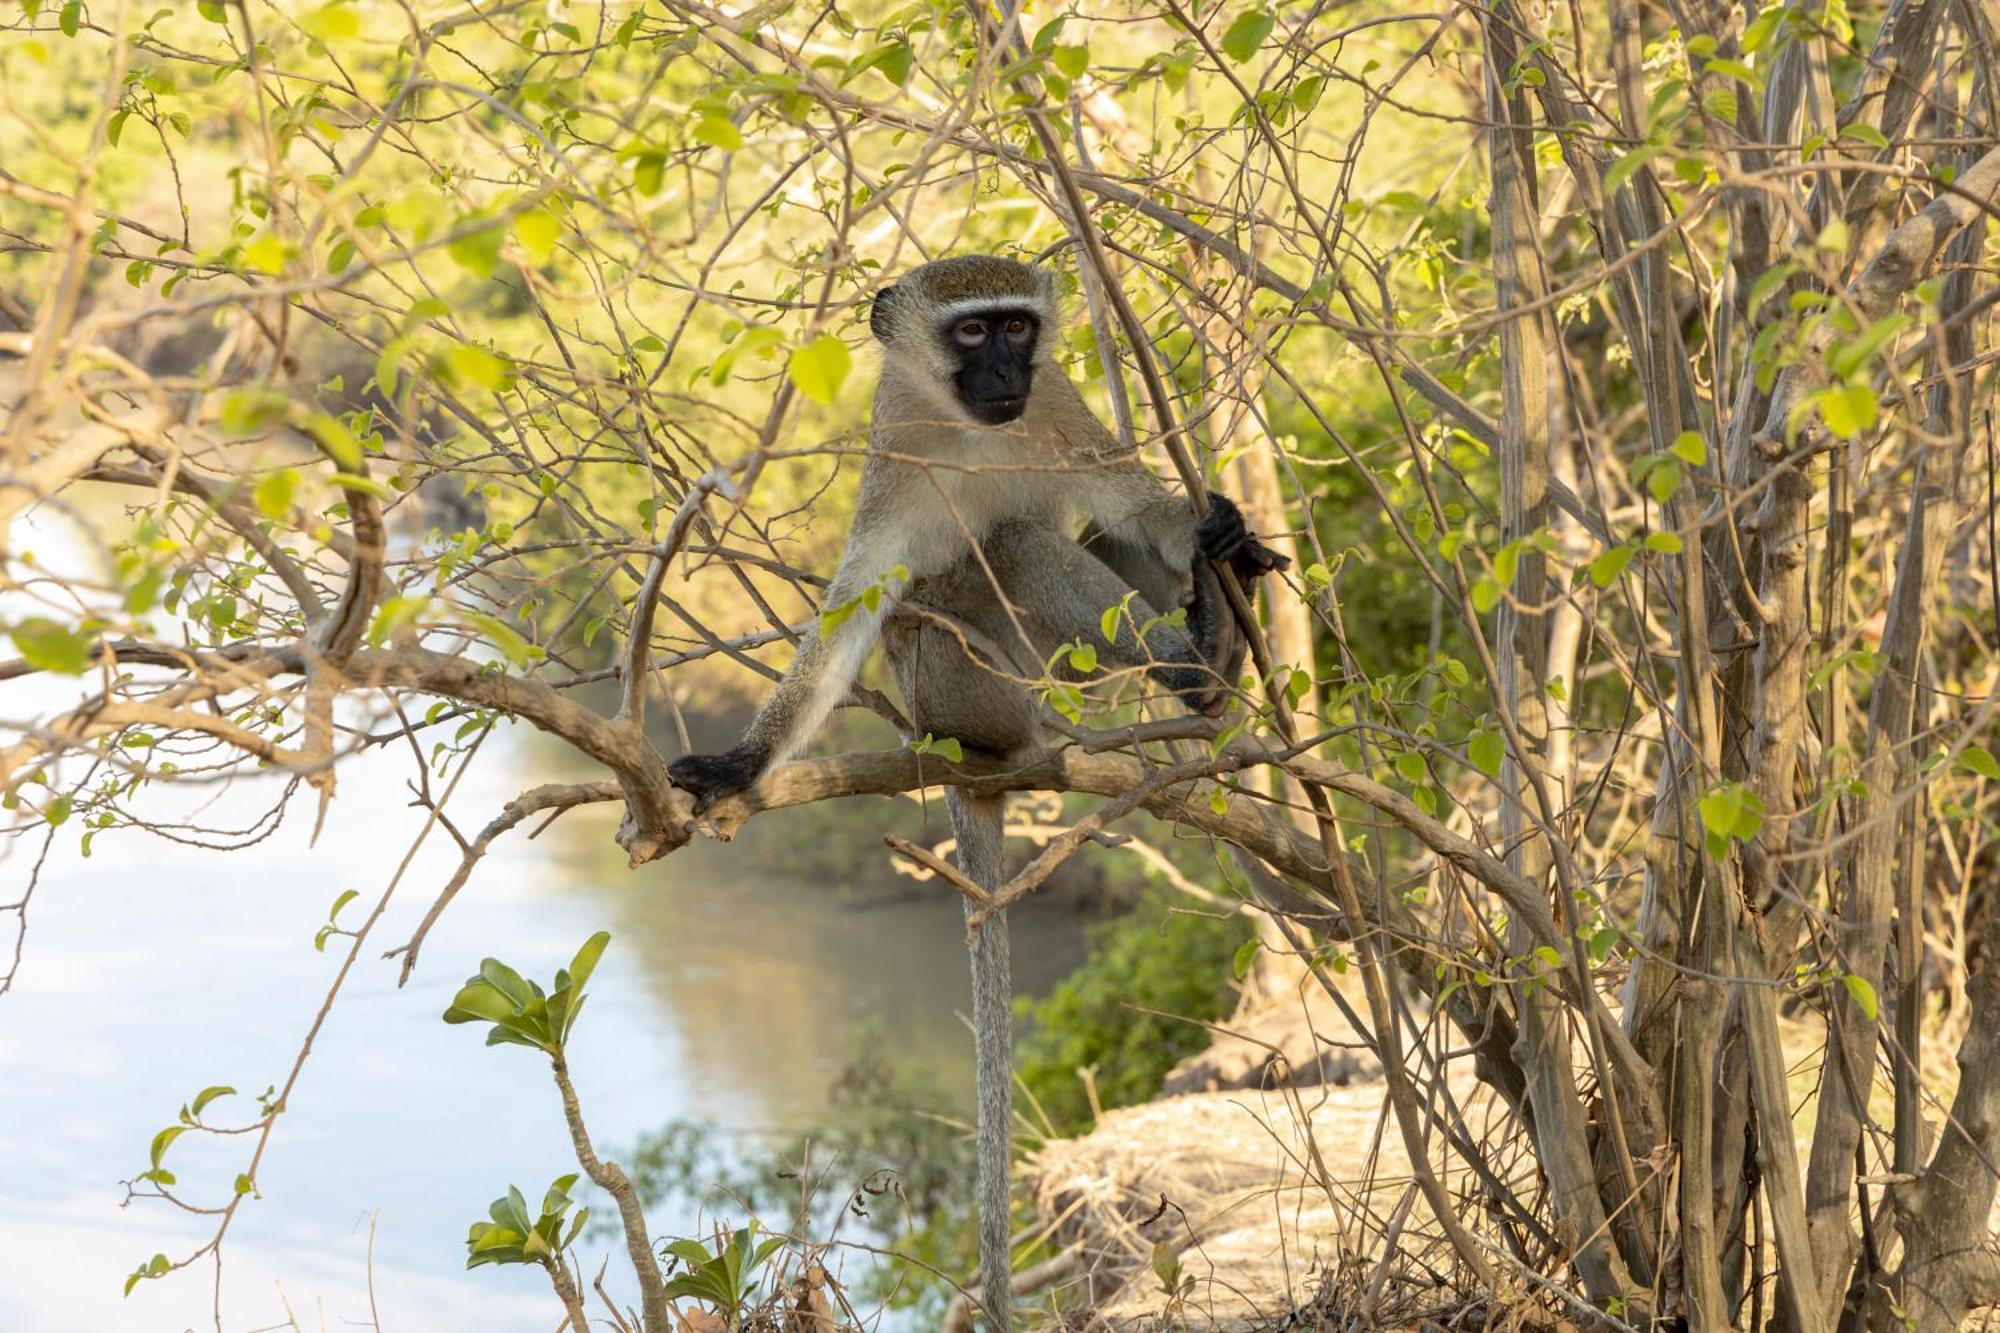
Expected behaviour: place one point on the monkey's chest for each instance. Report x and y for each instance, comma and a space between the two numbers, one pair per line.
972, 494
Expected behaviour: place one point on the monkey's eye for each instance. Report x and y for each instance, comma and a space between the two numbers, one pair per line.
969, 332
1018, 328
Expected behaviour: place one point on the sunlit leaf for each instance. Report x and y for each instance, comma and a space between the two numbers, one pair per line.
820, 367
1486, 750
1979, 759
538, 230
332, 23
1849, 409
49, 646
1606, 568
274, 491
1245, 37
1862, 992
718, 131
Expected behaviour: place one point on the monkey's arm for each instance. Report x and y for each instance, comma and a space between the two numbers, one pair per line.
1147, 535
818, 678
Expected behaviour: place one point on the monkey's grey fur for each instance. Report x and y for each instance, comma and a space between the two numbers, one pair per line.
982, 462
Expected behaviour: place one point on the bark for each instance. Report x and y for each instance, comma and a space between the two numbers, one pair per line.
1907, 256
1950, 1266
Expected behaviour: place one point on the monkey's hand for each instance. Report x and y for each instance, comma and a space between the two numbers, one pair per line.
1222, 536
710, 777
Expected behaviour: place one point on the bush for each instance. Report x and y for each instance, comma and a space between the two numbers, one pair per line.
1130, 1013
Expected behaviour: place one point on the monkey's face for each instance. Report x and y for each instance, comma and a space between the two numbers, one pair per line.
994, 348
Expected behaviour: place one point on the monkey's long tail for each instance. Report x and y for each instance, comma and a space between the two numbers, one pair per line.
977, 821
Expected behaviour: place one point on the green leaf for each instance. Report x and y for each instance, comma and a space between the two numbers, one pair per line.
538, 230
1606, 568
207, 1095
1735, 69
164, 1140
1246, 954
477, 251
820, 367
1732, 811
1979, 759
1719, 809
1666, 543
507, 981
1621, 171
1245, 37
1485, 594
833, 617
503, 636
48, 646
1849, 410
1768, 282
718, 131
1083, 658
332, 23
394, 615
1690, 448
478, 1002
1863, 995
1218, 801
274, 491
1663, 481
585, 962
1486, 750
247, 411
1851, 356
950, 749
1071, 60
649, 172
267, 252
1410, 765
465, 365
894, 59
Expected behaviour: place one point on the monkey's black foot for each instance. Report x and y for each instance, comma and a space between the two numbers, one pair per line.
710, 777
1222, 536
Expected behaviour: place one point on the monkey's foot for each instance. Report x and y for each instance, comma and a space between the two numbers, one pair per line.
1222, 536
710, 777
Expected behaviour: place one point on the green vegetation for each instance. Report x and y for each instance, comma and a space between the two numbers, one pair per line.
1130, 1013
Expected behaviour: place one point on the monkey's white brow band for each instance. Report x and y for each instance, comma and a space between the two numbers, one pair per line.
973, 305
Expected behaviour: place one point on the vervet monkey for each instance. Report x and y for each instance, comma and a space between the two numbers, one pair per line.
982, 461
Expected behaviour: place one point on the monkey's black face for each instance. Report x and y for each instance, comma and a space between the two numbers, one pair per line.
996, 361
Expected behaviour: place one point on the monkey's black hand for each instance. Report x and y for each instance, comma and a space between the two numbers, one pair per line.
710, 777
1221, 536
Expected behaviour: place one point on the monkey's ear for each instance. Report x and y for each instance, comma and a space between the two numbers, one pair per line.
881, 314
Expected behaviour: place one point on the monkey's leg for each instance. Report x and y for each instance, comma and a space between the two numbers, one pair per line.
977, 823
1060, 592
